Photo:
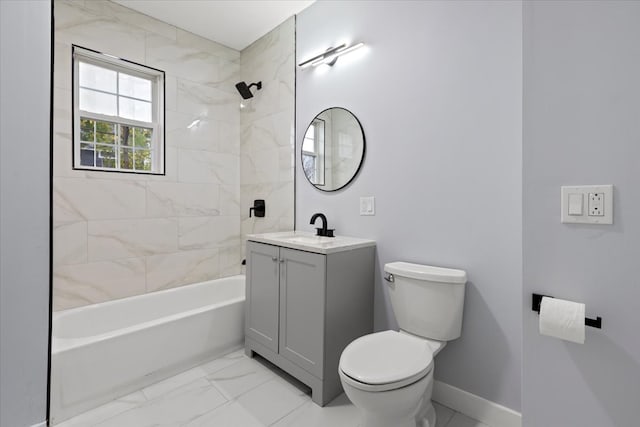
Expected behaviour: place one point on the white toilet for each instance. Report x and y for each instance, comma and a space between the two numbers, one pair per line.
389, 375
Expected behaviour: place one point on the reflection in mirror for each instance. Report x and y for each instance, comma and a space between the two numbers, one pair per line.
332, 149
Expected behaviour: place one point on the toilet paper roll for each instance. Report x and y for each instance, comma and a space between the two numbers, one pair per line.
562, 319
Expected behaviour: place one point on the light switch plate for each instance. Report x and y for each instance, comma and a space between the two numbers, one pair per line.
367, 205
597, 204
576, 204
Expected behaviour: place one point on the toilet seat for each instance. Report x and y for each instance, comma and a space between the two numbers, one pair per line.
385, 360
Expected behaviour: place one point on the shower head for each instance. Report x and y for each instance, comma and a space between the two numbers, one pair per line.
245, 90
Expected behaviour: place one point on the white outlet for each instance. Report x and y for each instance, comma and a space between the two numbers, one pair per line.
596, 204
587, 204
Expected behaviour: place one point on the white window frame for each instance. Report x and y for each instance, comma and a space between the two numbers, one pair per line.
157, 78
318, 153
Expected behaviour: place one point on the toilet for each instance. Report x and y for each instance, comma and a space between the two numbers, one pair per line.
389, 375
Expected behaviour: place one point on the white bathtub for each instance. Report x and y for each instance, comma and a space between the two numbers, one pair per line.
104, 351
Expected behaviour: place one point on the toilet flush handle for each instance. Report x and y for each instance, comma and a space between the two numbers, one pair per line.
389, 278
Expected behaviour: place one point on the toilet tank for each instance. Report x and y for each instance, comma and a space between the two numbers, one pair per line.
427, 301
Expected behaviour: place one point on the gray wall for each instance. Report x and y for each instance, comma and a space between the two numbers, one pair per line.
438, 91
25, 43
582, 126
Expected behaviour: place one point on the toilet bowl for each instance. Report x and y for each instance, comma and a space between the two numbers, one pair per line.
389, 375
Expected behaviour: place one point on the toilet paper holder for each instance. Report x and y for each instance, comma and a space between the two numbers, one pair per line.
537, 300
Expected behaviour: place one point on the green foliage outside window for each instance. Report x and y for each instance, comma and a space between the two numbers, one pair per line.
105, 144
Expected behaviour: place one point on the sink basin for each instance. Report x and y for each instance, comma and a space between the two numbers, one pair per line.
310, 242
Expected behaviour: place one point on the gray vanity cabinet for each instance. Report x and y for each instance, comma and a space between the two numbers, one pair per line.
302, 289
262, 297
285, 303
303, 308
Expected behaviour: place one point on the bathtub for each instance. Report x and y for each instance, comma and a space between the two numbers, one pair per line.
104, 351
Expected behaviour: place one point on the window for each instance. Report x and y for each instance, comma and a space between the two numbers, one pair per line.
313, 152
118, 109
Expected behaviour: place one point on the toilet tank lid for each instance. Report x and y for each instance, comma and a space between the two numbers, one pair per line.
426, 272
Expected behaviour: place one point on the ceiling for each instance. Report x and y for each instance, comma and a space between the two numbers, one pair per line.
233, 23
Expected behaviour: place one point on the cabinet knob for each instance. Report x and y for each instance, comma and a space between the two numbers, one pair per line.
281, 260
274, 259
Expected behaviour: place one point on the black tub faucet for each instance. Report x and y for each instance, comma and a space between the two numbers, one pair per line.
322, 231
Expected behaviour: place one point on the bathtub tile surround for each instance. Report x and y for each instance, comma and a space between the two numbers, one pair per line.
266, 129
90, 283
186, 226
118, 235
198, 212
200, 397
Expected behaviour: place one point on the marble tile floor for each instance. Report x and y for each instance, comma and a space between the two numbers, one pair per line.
233, 391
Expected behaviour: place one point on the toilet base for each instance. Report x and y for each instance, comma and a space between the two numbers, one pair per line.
426, 418
408, 406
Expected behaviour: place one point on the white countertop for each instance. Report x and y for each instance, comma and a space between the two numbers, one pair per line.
307, 241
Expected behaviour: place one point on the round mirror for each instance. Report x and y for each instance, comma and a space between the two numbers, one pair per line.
332, 149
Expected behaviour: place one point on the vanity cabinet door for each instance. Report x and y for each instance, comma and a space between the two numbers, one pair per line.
262, 303
302, 306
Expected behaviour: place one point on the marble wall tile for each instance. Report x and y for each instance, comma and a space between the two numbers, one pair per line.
282, 200
259, 134
170, 93
62, 66
267, 133
286, 91
70, 244
75, 24
187, 223
190, 39
228, 74
229, 138
203, 166
208, 102
62, 155
278, 197
82, 284
181, 268
230, 258
109, 240
286, 159
269, 52
286, 223
230, 200
208, 231
130, 17
260, 166
181, 59
83, 199
170, 166
202, 136
264, 103
62, 111
182, 199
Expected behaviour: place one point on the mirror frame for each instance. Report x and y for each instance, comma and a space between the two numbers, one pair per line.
364, 150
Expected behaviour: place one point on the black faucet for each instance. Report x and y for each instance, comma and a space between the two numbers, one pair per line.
322, 231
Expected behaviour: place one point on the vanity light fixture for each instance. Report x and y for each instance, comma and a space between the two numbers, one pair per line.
330, 56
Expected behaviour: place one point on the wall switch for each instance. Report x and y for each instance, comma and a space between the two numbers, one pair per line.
575, 204
596, 204
367, 205
587, 204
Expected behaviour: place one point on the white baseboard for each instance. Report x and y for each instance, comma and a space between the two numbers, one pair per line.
42, 424
475, 407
